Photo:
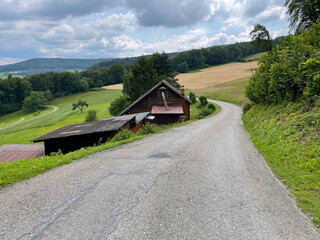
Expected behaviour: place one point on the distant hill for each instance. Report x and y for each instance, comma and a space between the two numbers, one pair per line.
42, 65
123, 61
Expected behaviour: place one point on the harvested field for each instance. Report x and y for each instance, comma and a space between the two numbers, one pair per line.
114, 87
210, 77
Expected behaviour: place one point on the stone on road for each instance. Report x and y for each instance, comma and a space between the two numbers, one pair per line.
204, 180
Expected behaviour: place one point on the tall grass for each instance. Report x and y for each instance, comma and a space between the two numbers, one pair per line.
288, 138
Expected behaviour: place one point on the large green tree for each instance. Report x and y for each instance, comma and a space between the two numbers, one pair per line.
163, 67
289, 72
141, 77
302, 13
261, 38
34, 102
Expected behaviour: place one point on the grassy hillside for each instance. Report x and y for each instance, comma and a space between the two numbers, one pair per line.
23, 133
288, 138
232, 92
42, 65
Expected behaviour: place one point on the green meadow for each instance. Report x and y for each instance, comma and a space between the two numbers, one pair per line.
233, 92
23, 133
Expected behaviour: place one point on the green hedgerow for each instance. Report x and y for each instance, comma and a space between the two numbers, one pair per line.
211, 107
148, 128
122, 135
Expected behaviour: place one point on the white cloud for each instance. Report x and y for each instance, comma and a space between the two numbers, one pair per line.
8, 60
195, 39
108, 28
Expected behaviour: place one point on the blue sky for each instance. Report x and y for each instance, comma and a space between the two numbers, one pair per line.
125, 28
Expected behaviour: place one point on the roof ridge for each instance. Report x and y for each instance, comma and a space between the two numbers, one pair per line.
153, 88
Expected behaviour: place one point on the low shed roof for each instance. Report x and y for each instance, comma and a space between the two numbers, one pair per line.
103, 125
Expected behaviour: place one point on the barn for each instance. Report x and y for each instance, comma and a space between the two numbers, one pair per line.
166, 103
73, 137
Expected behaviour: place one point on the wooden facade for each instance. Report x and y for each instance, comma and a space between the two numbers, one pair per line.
154, 99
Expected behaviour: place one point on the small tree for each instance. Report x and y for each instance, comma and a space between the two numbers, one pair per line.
203, 101
91, 116
192, 97
80, 104
34, 102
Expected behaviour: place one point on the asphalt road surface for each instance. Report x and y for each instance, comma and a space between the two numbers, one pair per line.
204, 180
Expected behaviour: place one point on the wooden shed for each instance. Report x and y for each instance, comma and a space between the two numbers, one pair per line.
166, 103
73, 137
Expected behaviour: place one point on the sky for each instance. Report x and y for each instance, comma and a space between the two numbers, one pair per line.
126, 28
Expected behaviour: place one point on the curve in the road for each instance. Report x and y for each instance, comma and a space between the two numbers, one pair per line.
17, 123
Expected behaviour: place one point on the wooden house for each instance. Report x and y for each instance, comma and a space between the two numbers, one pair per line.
166, 103
73, 137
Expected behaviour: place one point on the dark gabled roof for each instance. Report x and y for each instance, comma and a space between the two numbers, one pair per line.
163, 82
103, 125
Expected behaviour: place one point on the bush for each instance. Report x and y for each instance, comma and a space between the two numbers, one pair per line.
192, 97
289, 72
211, 107
91, 116
204, 112
118, 105
122, 135
148, 128
203, 101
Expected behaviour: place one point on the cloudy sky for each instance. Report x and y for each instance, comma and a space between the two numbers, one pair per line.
123, 28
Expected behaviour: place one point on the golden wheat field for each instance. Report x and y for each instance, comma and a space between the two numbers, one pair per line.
210, 77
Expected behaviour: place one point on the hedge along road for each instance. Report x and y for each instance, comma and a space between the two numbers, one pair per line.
54, 110
204, 180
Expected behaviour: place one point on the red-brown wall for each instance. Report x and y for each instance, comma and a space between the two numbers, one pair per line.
155, 99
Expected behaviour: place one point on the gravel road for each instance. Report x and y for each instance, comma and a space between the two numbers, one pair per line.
204, 180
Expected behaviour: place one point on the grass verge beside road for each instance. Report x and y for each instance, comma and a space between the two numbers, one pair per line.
17, 171
288, 138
